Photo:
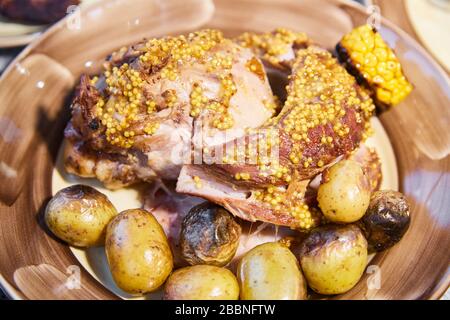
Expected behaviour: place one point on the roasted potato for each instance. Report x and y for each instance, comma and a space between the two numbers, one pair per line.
333, 258
79, 215
138, 252
209, 235
202, 282
270, 271
386, 220
344, 193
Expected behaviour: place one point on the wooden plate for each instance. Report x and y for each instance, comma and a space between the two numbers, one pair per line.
34, 95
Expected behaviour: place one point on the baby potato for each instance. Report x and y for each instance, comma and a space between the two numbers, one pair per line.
333, 258
344, 193
202, 282
138, 252
270, 271
79, 215
386, 220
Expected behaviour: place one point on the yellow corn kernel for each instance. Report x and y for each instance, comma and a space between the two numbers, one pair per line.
364, 50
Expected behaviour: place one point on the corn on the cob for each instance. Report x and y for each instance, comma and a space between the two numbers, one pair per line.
367, 56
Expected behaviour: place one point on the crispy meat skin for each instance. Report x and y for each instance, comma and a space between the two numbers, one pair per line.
82, 133
37, 11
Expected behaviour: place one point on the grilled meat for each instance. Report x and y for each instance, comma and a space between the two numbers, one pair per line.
167, 102
325, 117
161, 99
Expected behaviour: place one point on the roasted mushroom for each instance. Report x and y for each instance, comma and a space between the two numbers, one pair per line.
386, 220
209, 235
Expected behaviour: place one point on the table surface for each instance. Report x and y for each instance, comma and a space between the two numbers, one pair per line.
393, 10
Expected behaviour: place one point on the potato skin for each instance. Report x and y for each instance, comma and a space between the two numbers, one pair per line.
202, 282
270, 271
209, 235
333, 258
79, 215
344, 193
387, 219
138, 252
